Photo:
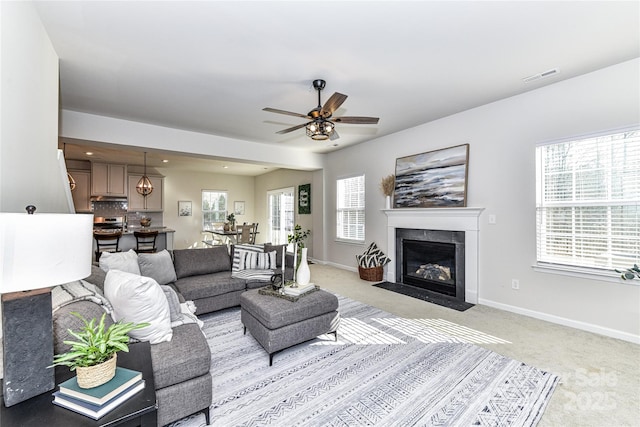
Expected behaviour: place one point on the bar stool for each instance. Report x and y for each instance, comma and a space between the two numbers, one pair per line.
106, 241
146, 241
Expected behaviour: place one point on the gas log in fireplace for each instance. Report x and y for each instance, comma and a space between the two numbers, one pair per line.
431, 260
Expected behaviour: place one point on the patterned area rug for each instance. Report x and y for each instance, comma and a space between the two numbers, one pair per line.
383, 371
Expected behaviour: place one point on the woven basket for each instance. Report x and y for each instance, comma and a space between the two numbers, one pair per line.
373, 274
93, 376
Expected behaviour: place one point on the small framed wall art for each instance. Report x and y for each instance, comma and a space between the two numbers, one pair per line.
238, 208
184, 208
433, 179
304, 199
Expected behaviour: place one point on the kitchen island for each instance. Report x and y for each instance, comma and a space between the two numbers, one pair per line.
128, 240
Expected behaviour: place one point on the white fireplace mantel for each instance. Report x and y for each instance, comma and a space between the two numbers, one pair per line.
449, 219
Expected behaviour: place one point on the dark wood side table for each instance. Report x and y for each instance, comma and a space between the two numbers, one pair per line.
139, 410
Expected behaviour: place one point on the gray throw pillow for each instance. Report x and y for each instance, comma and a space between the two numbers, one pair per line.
174, 304
158, 266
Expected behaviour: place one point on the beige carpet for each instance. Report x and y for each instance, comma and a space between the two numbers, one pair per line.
599, 376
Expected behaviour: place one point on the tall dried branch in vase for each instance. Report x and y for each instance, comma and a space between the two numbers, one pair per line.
387, 185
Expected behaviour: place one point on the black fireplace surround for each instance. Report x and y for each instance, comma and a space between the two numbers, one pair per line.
431, 260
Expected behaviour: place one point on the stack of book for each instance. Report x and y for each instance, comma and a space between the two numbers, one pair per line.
299, 289
99, 401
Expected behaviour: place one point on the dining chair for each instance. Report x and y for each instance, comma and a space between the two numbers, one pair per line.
244, 234
255, 233
106, 242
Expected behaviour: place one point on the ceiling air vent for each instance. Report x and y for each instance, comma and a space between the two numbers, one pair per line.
542, 75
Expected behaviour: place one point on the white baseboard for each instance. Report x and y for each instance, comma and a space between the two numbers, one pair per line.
589, 327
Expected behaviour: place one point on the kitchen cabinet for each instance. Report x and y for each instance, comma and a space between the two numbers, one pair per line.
108, 179
153, 202
82, 193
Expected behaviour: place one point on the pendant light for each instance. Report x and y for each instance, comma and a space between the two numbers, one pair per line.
144, 186
72, 182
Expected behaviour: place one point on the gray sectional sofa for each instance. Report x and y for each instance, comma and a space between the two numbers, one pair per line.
181, 366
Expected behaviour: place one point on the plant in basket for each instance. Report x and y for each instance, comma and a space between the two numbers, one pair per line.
93, 355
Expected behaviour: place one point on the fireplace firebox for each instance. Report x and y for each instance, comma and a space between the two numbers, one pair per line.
431, 260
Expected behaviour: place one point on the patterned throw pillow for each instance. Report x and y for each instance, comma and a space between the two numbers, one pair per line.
373, 257
249, 260
246, 248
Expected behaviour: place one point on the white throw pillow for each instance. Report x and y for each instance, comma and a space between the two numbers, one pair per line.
123, 261
139, 299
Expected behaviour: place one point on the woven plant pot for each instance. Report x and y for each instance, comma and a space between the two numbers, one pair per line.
93, 376
373, 274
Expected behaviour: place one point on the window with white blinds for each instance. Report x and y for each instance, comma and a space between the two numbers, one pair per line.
588, 201
350, 209
214, 208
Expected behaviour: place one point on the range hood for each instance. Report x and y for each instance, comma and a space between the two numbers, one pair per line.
108, 199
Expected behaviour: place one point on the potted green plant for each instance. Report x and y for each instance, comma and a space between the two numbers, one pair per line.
630, 273
93, 355
232, 221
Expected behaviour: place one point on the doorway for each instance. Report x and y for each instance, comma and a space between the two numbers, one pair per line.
280, 204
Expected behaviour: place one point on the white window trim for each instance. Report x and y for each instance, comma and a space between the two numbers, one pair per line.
584, 272
354, 242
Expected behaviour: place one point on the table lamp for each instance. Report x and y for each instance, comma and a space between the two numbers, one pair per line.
37, 251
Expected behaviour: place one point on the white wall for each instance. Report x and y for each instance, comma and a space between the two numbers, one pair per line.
29, 169
181, 185
502, 138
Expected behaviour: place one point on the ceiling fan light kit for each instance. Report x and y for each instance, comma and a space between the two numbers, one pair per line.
320, 128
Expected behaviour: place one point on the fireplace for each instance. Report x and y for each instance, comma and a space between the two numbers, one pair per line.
455, 219
431, 260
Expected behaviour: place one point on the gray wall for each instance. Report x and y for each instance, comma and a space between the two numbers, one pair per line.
502, 138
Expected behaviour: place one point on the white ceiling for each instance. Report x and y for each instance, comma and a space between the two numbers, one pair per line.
211, 66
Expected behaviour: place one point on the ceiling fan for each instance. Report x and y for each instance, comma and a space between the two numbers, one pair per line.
320, 127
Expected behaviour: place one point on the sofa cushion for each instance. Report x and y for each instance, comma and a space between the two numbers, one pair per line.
186, 356
158, 266
209, 285
139, 299
123, 261
193, 262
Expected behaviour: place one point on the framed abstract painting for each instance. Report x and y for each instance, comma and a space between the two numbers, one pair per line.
433, 179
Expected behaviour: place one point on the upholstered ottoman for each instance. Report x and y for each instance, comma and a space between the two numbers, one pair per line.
277, 323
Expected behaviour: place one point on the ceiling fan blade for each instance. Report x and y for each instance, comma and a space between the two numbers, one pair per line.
334, 135
356, 120
332, 104
288, 113
291, 129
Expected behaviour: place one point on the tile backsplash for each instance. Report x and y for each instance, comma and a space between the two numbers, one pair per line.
109, 209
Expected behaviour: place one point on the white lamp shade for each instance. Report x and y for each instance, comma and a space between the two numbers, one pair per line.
43, 250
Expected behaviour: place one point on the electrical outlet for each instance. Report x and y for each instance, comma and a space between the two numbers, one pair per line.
515, 284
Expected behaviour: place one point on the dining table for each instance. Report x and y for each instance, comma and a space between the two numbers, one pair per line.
227, 236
